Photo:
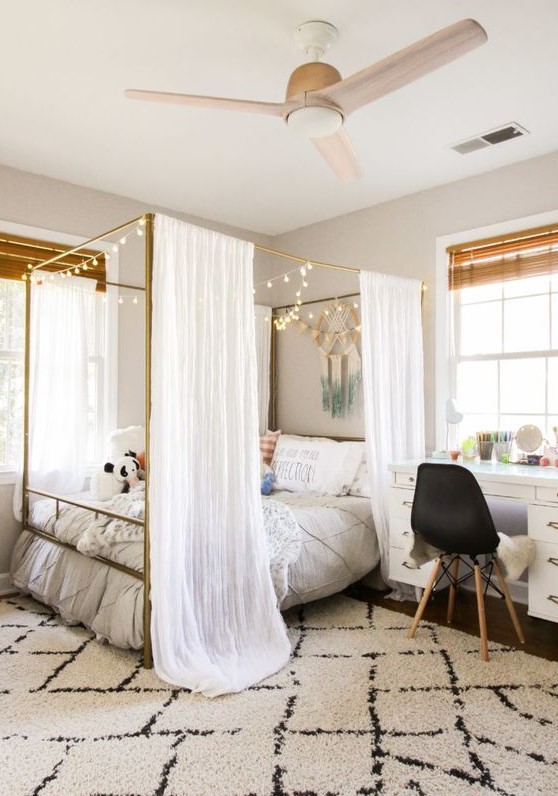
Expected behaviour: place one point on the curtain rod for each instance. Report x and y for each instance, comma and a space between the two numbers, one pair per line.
318, 264
87, 243
316, 301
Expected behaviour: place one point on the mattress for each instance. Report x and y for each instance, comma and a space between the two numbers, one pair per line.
318, 545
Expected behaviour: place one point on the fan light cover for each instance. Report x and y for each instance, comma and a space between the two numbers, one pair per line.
315, 122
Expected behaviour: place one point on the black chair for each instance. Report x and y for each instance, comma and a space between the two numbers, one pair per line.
450, 513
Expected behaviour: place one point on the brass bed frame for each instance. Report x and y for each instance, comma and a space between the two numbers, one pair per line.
53, 264
148, 224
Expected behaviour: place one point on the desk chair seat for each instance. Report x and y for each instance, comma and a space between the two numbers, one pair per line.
450, 513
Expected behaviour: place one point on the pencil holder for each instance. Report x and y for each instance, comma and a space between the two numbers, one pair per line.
502, 451
485, 450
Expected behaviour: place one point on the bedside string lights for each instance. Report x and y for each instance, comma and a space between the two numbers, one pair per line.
87, 263
281, 321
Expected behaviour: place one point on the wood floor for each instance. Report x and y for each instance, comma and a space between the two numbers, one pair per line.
541, 637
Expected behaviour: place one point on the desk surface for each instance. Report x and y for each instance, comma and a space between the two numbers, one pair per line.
493, 471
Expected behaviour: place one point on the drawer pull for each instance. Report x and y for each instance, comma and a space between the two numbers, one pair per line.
408, 533
411, 480
552, 560
553, 598
408, 504
552, 525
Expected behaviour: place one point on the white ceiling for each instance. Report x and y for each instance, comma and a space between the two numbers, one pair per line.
65, 65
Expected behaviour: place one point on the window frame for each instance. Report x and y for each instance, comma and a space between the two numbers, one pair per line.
444, 379
109, 396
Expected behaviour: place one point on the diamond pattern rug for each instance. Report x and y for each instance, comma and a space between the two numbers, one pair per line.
359, 709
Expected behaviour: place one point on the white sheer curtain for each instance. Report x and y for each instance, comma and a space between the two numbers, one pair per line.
262, 323
58, 393
393, 387
216, 627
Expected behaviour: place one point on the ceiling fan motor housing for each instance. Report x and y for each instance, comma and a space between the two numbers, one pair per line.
311, 77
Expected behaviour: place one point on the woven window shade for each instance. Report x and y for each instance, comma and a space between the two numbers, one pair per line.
17, 253
530, 253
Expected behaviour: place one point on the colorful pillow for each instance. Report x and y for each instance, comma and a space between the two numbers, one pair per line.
315, 464
267, 445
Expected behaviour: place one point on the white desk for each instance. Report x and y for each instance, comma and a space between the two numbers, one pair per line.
537, 487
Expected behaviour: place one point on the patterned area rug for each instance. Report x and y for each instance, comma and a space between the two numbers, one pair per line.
360, 709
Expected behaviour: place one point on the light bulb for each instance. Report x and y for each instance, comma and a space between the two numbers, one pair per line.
269, 284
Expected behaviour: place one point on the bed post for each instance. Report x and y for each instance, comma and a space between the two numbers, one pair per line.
26, 385
147, 649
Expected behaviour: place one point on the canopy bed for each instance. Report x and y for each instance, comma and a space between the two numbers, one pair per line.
95, 560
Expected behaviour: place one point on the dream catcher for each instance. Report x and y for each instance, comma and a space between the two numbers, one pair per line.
335, 335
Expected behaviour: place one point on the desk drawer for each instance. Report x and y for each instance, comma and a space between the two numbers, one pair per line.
501, 489
543, 583
405, 479
543, 523
401, 503
398, 571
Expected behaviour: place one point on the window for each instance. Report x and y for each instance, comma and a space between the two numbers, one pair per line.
504, 352
12, 324
16, 254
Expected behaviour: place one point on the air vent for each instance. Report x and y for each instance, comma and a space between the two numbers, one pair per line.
490, 138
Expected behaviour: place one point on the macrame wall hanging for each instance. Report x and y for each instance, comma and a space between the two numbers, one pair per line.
335, 335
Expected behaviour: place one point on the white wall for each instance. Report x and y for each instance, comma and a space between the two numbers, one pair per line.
399, 237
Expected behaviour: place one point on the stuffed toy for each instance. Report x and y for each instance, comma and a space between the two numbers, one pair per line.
267, 483
116, 477
267, 477
125, 470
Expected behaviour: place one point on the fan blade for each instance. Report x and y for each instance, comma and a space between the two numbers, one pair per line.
213, 103
337, 151
403, 67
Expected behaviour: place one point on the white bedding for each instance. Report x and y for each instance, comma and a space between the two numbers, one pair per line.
318, 545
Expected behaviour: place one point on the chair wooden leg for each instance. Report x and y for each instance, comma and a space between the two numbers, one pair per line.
482, 615
425, 597
454, 572
508, 599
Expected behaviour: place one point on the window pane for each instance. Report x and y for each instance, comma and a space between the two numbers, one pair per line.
526, 324
477, 387
470, 295
553, 385
526, 287
554, 309
522, 386
481, 328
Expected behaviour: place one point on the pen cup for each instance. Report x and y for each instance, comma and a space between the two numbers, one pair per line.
485, 450
502, 451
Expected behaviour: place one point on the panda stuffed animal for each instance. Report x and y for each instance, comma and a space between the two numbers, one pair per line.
125, 470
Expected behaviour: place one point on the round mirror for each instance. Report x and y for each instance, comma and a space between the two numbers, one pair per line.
528, 438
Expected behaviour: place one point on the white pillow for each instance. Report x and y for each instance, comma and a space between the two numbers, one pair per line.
361, 485
122, 440
315, 464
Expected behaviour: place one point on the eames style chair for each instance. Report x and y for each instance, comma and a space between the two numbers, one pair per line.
450, 513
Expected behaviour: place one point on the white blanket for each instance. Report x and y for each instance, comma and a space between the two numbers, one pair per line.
113, 538
515, 553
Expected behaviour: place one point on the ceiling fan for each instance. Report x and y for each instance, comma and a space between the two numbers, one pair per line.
318, 99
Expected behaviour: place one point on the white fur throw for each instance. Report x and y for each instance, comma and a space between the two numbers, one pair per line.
514, 553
